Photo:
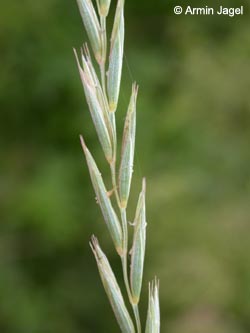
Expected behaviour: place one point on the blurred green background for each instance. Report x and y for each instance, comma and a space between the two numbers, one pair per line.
192, 144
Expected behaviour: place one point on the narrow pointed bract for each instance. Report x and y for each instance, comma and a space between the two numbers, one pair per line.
112, 289
92, 26
103, 199
89, 68
138, 247
153, 316
99, 118
128, 147
116, 57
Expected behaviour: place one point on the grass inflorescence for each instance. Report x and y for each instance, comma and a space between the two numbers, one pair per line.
102, 95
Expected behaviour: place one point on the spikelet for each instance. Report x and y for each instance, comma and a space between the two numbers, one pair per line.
128, 147
153, 316
92, 26
108, 212
95, 101
116, 57
102, 99
112, 289
138, 247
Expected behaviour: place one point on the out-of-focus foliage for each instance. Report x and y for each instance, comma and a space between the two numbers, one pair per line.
192, 144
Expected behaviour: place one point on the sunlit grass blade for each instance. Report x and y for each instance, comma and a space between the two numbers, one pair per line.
103, 199
138, 247
112, 289
128, 147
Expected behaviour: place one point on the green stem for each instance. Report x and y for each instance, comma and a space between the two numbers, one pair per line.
137, 317
114, 184
125, 276
125, 251
113, 126
103, 79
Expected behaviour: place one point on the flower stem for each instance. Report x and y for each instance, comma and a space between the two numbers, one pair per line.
114, 184
137, 317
